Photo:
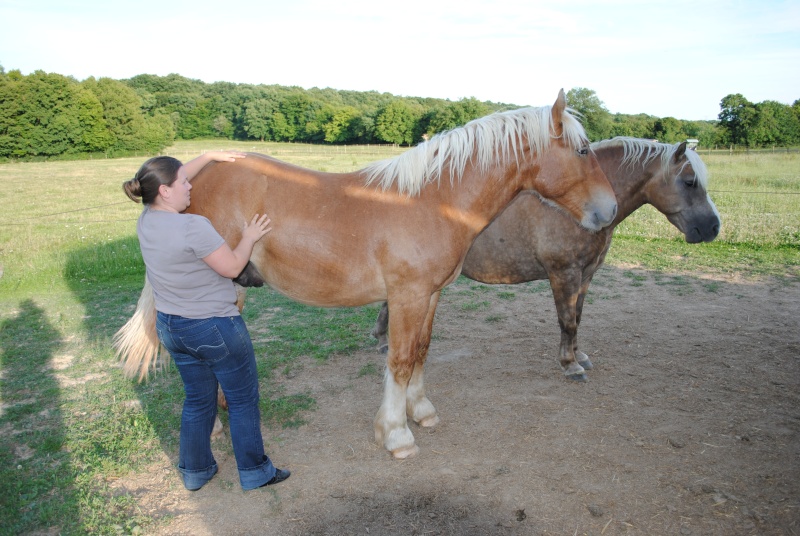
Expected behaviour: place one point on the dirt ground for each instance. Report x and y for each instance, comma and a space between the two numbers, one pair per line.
689, 424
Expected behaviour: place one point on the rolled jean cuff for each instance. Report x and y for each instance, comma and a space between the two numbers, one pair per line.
193, 480
255, 477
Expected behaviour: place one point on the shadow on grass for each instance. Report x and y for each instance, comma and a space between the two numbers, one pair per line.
107, 280
35, 471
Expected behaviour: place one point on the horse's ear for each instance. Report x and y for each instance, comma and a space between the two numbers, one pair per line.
680, 151
557, 111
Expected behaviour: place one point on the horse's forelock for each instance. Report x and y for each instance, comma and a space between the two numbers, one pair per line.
699, 167
484, 141
643, 151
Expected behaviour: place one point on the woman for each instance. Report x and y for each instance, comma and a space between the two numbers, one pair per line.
190, 267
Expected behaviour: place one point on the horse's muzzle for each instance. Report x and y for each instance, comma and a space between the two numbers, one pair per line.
599, 214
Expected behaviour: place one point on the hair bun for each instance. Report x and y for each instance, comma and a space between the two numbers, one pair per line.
133, 189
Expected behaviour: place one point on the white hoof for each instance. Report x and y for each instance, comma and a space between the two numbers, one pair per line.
429, 422
405, 452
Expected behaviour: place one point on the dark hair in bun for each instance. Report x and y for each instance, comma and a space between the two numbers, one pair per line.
153, 173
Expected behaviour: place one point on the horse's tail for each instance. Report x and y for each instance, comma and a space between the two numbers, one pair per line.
136, 343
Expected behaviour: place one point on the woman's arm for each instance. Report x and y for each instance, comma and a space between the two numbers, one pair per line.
193, 167
229, 262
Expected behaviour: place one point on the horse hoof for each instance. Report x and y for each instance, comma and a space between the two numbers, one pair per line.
405, 452
579, 377
429, 422
583, 360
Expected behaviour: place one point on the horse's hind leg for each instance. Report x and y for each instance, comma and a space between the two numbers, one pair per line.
381, 329
418, 407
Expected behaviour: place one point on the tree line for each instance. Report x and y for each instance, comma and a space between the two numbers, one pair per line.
48, 115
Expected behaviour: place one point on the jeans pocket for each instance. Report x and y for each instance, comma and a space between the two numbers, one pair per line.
207, 345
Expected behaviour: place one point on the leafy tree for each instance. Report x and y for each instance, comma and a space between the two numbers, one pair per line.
396, 122
121, 112
775, 124
455, 114
131, 129
736, 118
297, 118
340, 126
637, 126
258, 117
705, 132
362, 129
48, 114
596, 118
223, 126
180, 98
668, 130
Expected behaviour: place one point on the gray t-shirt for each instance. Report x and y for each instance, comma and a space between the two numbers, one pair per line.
173, 246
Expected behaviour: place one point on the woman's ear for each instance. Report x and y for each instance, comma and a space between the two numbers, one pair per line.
164, 191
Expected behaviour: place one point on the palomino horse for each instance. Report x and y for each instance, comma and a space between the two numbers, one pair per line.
531, 241
391, 230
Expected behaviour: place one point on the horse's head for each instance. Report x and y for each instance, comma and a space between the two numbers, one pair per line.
569, 174
682, 196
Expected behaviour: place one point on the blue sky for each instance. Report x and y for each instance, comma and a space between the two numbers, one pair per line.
676, 58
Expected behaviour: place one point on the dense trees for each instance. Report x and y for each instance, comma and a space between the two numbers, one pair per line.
767, 123
741, 123
46, 115
49, 114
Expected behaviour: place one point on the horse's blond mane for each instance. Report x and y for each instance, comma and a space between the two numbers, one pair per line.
483, 141
637, 149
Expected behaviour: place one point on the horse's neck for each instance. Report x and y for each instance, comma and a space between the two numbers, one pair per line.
482, 195
627, 179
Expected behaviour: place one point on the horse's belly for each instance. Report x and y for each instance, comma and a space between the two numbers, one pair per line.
335, 283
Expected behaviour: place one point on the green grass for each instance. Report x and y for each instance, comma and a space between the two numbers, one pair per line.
72, 272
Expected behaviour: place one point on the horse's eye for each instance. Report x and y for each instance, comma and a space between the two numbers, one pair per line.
583, 151
690, 183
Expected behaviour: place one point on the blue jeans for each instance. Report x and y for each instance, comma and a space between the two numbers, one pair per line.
210, 352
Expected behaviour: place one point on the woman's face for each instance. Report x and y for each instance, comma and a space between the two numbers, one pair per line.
179, 196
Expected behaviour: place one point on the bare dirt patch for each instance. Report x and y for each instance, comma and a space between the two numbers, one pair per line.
690, 424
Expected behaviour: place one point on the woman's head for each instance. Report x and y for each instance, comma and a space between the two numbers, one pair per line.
158, 171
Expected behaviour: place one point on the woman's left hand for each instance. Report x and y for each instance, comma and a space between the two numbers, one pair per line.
225, 156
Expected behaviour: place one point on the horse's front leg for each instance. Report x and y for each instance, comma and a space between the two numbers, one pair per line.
418, 407
582, 359
566, 289
406, 327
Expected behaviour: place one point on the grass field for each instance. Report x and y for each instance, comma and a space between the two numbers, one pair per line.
70, 274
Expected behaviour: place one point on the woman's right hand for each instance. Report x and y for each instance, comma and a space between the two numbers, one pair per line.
229, 262
257, 228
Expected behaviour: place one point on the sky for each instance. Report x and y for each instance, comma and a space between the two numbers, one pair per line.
667, 59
